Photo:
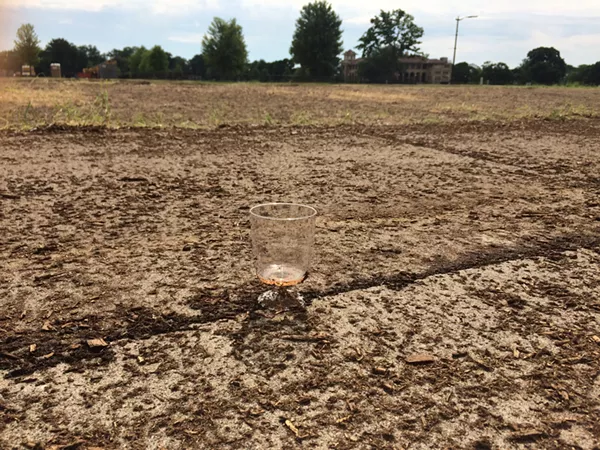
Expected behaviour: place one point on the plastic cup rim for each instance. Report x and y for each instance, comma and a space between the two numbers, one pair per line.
313, 211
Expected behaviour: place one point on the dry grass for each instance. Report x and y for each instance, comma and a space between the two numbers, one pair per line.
31, 103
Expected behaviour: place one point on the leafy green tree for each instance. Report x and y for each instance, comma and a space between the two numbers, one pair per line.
584, 74
224, 49
592, 75
544, 65
396, 30
27, 45
63, 52
135, 61
122, 58
317, 41
392, 35
178, 66
198, 66
381, 66
281, 70
497, 73
155, 62
465, 73
91, 55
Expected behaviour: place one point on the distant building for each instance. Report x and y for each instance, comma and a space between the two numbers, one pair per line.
55, 70
415, 69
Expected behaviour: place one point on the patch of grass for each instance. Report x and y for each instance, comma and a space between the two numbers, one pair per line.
103, 109
268, 119
301, 118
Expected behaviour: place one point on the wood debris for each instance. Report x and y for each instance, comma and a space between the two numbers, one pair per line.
47, 326
48, 356
32, 348
343, 419
387, 387
97, 343
596, 339
380, 370
292, 427
420, 358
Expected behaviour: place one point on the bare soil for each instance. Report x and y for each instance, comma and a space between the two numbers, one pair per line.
33, 103
454, 301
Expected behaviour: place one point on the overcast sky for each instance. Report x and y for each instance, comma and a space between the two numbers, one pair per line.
504, 31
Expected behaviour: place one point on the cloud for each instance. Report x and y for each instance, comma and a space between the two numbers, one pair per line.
359, 20
448, 7
187, 38
156, 6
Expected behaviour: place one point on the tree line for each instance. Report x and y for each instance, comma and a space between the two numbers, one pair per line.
543, 65
314, 55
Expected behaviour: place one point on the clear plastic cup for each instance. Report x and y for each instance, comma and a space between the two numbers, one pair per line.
283, 236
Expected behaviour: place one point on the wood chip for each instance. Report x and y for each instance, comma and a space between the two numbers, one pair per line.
516, 352
596, 339
380, 370
528, 436
48, 356
344, 419
292, 427
47, 326
420, 358
387, 387
32, 348
75, 346
96, 343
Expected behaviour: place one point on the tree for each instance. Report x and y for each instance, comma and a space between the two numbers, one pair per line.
584, 74
317, 41
122, 58
224, 49
396, 30
381, 66
135, 61
178, 66
544, 65
155, 62
63, 52
198, 66
464, 73
27, 45
392, 35
91, 55
281, 70
496, 73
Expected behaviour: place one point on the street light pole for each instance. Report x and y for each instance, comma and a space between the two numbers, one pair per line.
458, 20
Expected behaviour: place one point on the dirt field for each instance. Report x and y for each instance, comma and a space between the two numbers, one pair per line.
453, 303
27, 104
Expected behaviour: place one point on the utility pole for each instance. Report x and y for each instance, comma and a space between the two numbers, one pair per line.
458, 20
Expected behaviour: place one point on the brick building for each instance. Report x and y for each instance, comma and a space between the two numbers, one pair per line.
415, 69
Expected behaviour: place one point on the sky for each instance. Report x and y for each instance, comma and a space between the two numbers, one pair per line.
504, 31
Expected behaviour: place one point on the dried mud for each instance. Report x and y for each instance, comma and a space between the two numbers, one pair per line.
454, 300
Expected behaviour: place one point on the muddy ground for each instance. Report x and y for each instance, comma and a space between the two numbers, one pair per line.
454, 299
